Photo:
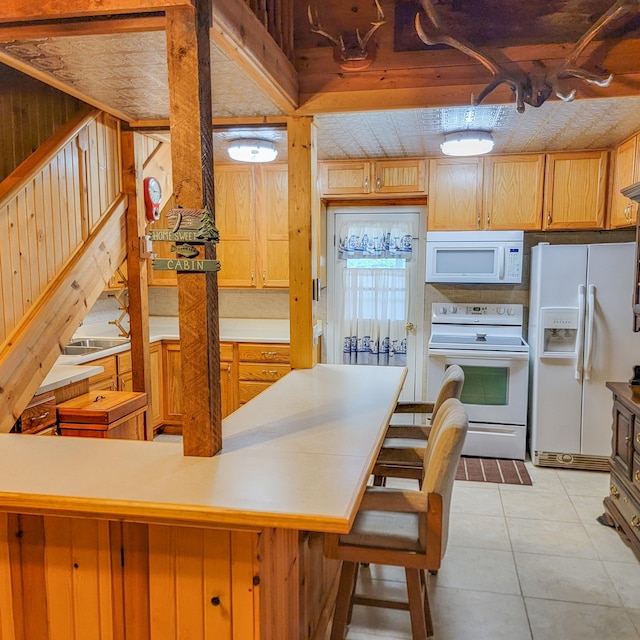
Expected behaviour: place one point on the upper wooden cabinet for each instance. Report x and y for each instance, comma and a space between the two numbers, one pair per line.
358, 178
575, 190
455, 194
513, 188
252, 216
626, 171
496, 192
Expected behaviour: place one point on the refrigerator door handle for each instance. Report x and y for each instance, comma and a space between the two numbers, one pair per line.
580, 336
588, 355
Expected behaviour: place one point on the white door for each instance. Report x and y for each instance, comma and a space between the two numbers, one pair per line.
376, 298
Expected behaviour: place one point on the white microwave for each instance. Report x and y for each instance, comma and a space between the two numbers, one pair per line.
470, 257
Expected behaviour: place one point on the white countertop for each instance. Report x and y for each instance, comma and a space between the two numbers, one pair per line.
161, 328
297, 456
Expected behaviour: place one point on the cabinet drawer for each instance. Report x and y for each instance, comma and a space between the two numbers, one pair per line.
256, 352
265, 372
249, 390
226, 351
626, 504
39, 414
108, 378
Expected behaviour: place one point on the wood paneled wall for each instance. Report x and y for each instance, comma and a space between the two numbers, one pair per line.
30, 111
50, 204
65, 578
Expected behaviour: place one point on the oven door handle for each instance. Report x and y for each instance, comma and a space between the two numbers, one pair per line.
476, 353
580, 336
588, 341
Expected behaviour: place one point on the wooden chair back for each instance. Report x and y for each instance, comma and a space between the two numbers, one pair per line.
441, 458
451, 387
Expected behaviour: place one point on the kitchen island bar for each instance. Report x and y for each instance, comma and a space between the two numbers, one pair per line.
123, 539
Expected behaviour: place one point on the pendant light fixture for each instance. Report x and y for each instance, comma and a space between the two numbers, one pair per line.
467, 143
252, 150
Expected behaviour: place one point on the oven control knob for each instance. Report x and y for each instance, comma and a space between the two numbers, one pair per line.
443, 311
511, 311
453, 309
500, 311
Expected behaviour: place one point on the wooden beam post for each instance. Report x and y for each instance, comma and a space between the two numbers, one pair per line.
188, 54
303, 217
137, 273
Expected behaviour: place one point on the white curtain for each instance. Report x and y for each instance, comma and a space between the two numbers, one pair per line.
374, 317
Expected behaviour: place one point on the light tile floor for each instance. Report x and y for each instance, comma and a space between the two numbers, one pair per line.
523, 563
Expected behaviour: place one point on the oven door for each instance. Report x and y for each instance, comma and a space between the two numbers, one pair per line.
495, 385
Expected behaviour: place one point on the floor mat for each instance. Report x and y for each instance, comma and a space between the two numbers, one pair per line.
493, 470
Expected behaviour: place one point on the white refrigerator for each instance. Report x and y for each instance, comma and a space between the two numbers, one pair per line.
580, 337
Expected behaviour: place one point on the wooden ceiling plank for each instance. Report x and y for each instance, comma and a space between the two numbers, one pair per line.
27, 10
89, 27
241, 36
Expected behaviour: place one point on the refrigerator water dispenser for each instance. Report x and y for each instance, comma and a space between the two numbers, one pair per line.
559, 328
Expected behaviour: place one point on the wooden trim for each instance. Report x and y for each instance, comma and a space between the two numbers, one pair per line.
239, 34
43, 155
139, 24
30, 351
302, 194
47, 78
137, 272
27, 10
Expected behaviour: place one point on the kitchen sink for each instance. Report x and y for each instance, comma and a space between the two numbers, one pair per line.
83, 346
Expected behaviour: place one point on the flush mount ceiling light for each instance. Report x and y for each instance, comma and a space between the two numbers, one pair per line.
252, 151
466, 143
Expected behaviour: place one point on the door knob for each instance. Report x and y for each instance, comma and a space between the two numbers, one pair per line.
410, 326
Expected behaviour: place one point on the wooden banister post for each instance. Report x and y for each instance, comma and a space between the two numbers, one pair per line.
188, 56
137, 274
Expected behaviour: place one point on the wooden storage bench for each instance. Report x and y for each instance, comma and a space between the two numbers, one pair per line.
104, 414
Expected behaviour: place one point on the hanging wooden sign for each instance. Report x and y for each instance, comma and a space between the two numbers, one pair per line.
185, 264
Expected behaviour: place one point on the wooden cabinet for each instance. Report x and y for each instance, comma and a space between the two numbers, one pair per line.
272, 214
172, 387
455, 194
496, 192
513, 189
373, 178
108, 379
626, 171
125, 372
575, 190
155, 402
228, 376
39, 415
259, 366
252, 216
622, 506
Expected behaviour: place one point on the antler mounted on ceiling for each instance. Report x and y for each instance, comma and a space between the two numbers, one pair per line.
529, 87
350, 49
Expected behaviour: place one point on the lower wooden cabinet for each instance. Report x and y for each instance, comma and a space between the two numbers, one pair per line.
260, 365
623, 503
157, 395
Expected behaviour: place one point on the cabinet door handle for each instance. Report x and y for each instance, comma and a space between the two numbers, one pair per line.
378, 183
229, 372
548, 219
269, 353
635, 522
366, 184
264, 277
479, 221
628, 441
253, 278
40, 417
488, 220
270, 372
